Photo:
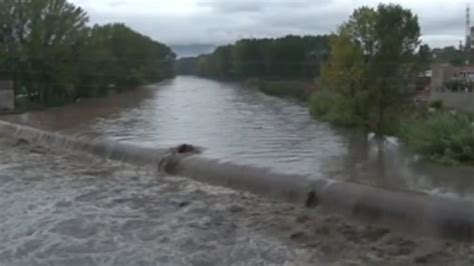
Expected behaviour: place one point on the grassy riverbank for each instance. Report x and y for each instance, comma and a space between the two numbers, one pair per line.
442, 136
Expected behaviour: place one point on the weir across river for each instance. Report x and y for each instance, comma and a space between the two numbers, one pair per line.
419, 213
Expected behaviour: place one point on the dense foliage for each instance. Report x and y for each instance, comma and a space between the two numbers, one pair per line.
372, 68
114, 55
186, 66
53, 57
449, 54
290, 57
332, 107
443, 137
457, 56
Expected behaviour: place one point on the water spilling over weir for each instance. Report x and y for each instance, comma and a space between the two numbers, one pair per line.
264, 145
423, 213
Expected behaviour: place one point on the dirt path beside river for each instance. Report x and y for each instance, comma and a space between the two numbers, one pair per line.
74, 209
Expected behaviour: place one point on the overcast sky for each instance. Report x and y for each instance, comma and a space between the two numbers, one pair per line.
213, 22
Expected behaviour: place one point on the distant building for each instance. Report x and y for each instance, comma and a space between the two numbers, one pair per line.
454, 86
464, 73
423, 81
441, 74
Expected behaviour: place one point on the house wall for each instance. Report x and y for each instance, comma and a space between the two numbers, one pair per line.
7, 96
440, 74
463, 101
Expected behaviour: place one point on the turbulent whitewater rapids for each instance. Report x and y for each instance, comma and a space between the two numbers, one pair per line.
83, 210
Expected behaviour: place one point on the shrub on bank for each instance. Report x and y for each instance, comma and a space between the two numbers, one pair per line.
298, 90
442, 137
332, 108
438, 105
321, 103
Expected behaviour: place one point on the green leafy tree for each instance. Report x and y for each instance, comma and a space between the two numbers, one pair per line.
52, 56
343, 77
249, 60
187, 66
425, 57
374, 63
449, 54
223, 61
41, 40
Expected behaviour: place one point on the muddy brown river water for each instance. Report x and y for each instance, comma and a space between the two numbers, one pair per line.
70, 209
235, 123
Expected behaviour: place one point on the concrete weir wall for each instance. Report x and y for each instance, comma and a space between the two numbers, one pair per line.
414, 211
108, 149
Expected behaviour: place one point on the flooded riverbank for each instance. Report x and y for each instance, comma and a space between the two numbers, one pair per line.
235, 123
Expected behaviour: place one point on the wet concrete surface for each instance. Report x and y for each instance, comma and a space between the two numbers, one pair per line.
76, 209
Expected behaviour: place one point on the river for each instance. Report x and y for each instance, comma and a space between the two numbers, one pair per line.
239, 124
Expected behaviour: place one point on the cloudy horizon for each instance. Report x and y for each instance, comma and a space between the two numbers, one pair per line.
195, 26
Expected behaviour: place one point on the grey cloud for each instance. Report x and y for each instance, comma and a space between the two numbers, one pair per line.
117, 3
448, 24
192, 49
260, 6
310, 19
233, 7
219, 22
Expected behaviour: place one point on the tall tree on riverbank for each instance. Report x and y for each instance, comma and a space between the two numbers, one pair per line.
114, 56
40, 41
373, 64
53, 57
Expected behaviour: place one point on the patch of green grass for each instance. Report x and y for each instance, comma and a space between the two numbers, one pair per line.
442, 137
